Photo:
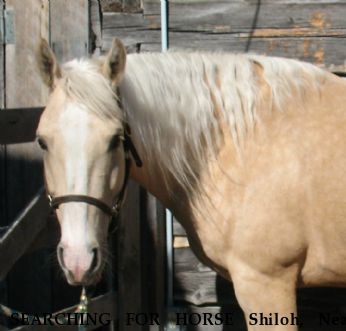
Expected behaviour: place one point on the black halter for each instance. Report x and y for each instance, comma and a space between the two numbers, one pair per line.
114, 210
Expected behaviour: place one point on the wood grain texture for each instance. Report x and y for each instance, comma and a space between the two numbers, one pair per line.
178, 229
3, 217
312, 31
129, 6
95, 43
111, 5
132, 6
69, 33
2, 147
24, 88
197, 284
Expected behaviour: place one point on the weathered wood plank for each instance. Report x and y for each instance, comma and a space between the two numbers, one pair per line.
197, 284
95, 43
24, 88
19, 125
178, 229
132, 6
149, 40
3, 218
69, 28
111, 5
310, 31
321, 51
129, 6
237, 15
24, 231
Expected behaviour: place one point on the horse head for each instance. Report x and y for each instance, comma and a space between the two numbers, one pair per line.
81, 133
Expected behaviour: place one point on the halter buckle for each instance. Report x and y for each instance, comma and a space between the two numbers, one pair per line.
50, 200
116, 209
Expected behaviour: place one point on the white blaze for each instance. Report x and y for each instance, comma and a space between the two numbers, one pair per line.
76, 240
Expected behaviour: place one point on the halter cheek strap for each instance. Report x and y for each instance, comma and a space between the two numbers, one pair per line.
113, 211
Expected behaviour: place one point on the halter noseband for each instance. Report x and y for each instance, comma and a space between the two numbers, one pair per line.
113, 211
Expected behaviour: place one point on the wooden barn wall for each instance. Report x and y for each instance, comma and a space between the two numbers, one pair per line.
312, 30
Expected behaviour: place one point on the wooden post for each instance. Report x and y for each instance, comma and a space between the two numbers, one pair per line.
154, 258
25, 24
130, 259
3, 289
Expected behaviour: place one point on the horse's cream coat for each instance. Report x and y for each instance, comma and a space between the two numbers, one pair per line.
249, 152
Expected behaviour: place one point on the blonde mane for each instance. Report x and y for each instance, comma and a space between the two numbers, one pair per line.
170, 99
171, 102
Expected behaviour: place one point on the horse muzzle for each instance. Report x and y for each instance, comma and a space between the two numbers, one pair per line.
81, 265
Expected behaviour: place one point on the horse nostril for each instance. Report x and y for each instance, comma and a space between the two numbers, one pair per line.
60, 254
95, 260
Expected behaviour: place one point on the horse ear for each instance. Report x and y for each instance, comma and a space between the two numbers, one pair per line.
48, 65
114, 65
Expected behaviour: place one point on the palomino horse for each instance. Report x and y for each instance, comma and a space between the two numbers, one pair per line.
249, 152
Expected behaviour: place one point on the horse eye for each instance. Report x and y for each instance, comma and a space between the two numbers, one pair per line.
42, 144
114, 143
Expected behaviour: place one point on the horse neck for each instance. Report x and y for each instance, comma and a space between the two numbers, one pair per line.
151, 177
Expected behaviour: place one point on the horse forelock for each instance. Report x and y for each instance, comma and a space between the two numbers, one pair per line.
82, 81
